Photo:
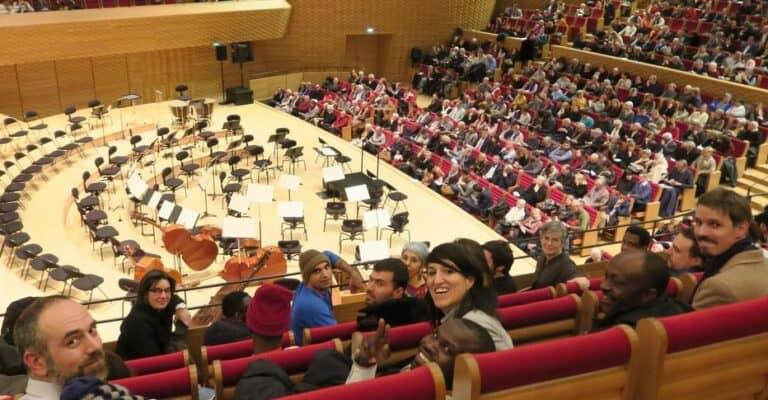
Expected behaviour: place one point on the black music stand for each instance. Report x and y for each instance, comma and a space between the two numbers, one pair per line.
277, 138
233, 146
230, 127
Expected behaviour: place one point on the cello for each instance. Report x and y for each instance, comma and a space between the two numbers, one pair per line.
148, 263
198, 251
266, 261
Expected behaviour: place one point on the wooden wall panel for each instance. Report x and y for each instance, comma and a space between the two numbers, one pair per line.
314, 40
75, 79
123, 30
10, 102
362, 52
36, 81
110, 78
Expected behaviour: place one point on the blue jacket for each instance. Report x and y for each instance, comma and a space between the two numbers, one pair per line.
310, 310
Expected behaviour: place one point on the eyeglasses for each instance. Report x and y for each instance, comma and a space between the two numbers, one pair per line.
159, 291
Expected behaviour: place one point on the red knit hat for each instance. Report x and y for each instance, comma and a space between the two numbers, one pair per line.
269, 313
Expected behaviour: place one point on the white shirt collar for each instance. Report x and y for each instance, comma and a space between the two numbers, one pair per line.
41, 390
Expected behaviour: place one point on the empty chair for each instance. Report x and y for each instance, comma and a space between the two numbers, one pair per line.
203, 135
85, 204
115, 160
99, 112
14, 129
8, 230
76, 129
237, 173
351, 230
101, 234
48, 145
263, 165
291, 248
334, 210
34, 122
398, 225
42, 263
529, 296
322, 334
131, 288
291, 224
188, 169
180, 89
170, 182
93, 188
74, 119
86, 283
214, 155
238, 349
397, 197
229, 188
61, 274
14, 241
109, 173
138, 149
25, 253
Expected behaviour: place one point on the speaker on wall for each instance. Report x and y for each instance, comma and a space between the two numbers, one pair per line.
241, 52
221, 52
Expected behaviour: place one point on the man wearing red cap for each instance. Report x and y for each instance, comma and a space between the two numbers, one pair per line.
269, 317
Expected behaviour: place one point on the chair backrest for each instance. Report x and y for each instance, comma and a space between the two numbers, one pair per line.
294, 361
238, 349
530, 296
556, 369
422, 383
165, 362
342, 331
727, 346
403, 341
162, 131
563, 316
177, 383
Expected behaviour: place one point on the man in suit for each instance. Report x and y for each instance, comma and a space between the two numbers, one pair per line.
734, 268
678, 180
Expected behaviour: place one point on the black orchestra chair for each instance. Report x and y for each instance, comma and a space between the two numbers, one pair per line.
238, 173
26, 253
217, 155
397, 226
291, 248
138, 149
53, 153
117, 161
86, 283
8, 230
67, 145
181, 88
334, 210
99, 112
189, 169
263, 165
291, 224
13, 242
203, 135
85, 138
376, 192
43, 263
396, 196
14, 129
109, 172
170, 182
8, 217
74, 119
93, 188
131, 288
247, 139
63, 274
351, 230
34, 122
228, 189
101, 234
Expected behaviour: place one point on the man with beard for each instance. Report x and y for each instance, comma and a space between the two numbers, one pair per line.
734, 268
386, 298
634, 287
312, 298
58, 340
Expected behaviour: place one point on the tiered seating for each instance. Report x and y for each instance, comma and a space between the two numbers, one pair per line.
165, 362
178, 383
242, 348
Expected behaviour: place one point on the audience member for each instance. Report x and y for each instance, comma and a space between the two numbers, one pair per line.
734, 268
684, 253
554, 265
268, 317
312, 299
634, 287
231, 327
146, 331
386, 297
499, 257
635, 238
414, 255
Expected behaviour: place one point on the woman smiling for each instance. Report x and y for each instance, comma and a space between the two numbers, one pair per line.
454, 281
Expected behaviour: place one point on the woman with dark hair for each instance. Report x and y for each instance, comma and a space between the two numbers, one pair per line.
457, 282
146, 331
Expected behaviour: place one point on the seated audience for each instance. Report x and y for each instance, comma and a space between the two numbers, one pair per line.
387, 299
499, 257
634, 287
231, 327
146, 331
734, 268
268, 317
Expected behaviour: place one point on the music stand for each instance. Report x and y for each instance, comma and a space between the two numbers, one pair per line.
233, 146
289, 182
238, 228
293, 155
126, 101
260, 194
357, 194
277, 138
202, 183
230, 127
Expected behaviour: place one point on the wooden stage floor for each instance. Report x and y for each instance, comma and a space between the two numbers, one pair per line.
52, 221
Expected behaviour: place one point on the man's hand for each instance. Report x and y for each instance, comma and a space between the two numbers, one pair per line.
375, 347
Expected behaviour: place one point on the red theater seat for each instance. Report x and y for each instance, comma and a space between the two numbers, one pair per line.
530, 296
241, 348
177, 383
318, 335
165, 362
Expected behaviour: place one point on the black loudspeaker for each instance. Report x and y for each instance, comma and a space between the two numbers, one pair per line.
239, 96
221, 52
241, 52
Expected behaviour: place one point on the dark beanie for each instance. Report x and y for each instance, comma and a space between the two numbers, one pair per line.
308, 260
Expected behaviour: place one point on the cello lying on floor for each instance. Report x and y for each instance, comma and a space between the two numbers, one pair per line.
198, 251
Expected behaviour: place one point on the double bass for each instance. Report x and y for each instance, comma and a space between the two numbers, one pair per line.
198, 251
267, 261
148, 263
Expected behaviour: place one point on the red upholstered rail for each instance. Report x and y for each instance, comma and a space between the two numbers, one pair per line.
342, 331
717, 324
407, 336
149, 365
416, 384
537, 313
554, 359
530, 296
241, 348
291, 360
160, 385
